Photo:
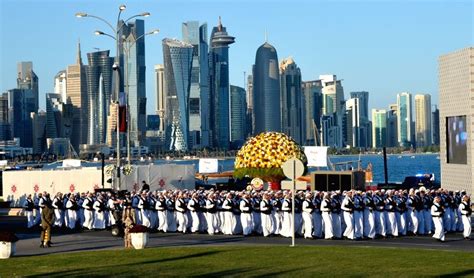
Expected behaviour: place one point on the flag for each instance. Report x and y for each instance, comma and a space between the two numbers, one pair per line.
122, 112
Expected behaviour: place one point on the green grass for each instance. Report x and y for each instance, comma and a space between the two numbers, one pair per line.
246, 261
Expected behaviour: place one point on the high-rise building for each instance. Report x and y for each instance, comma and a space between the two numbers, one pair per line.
292, 108
423, 120
404, 119
132, 57
77, 96
219, 85
99, 94
456, 119
364, 124
21, 103
379, 128
60, 85
160, 88
392, 126
250, 119
38, 123
27, 79
266, 90
5, 129
352, 128
178, 58
199, 106
313, 102
59, 117
334, 105
435, 126
238, 116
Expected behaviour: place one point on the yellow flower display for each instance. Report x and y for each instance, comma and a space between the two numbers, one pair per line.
267, 150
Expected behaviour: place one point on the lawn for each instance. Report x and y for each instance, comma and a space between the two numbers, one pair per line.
246, 261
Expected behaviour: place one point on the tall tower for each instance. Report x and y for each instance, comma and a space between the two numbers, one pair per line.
132, 49
313, 102
27, 79
160, 88
77, 96
266, 90
199, 96
99, 93
178, 58
238, 116
423, 120
404, 119
292, 109
219, 85
379, 128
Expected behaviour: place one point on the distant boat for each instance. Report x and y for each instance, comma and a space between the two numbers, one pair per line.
412, 156
399, 156
437, 157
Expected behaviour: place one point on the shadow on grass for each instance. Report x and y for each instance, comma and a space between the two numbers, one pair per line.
100, 271
468, 272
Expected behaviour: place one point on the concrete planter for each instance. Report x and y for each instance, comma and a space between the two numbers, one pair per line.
139, 240
7, 249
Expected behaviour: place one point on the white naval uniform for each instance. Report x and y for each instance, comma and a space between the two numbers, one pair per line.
211, 217
317, 220
327, 218
308, 211
229, 217
99, 215
266, 216
369, 219
71, 214
181, 216
170, 216
347, 208
358, 217
412, 215
88, 213
465, 210
287, 223
160, 206
29, 209
246, 216
193, 207
58, 213
437, 214
379, 216
111, 208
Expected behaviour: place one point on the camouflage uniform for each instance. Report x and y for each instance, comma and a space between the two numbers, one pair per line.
47, 219
128, 220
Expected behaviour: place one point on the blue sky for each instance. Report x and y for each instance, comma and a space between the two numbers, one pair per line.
383, 47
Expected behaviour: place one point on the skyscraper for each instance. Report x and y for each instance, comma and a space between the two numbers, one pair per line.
313, 101
60, 85
292, 109
27, 79
59, 117
5, 129
392, 126
250, 119
379, 128
178, 58
21, 103
352, 127
266, 90
99, 94
160, 88
38, 124
456, 108
333, 106
423, 120
435, 126
238, 109
199, 96
219, 85
77, 96
132, 49
364, 123
404, 119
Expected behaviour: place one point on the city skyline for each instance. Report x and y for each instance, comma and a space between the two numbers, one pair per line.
322, 50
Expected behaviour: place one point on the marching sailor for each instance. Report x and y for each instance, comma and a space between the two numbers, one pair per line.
379, 214
160, 207
327, 217
266, 215
347, 207
358, 215
437, 212
99, 213
369, 219
466, 212
211, 214
246, 214
88, 213
71, 212
58, 210
181, 217
193, 207
29, 207
308, 211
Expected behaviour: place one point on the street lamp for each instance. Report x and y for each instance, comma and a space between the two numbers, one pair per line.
116, 67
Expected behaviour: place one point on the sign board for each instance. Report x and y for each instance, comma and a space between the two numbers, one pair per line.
71, 163
317, 156
208, 165
293, 168
288, 185
257, 183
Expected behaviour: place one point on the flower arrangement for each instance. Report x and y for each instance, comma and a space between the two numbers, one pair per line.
138, 229
109, 169
263, 155
127, 170
8, 236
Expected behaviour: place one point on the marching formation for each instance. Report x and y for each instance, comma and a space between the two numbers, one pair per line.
330, 215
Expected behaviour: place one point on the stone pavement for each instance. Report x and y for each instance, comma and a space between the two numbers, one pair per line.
102, 240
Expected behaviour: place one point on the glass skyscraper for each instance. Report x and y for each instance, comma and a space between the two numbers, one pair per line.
292, 109
266, 90
178, 58
199, 96
99, 92
313, 101
379, 128
404, 119
238, 115
27, 79
219, 85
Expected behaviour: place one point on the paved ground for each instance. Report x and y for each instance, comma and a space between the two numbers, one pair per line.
100, 240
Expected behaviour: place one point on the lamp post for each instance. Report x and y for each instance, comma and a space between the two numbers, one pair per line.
116, 67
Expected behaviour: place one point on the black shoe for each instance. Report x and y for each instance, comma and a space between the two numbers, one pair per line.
48, 244
42, 245
467, 238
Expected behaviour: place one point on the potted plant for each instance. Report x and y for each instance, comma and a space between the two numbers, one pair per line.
139, 236
7, 244
263, 155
